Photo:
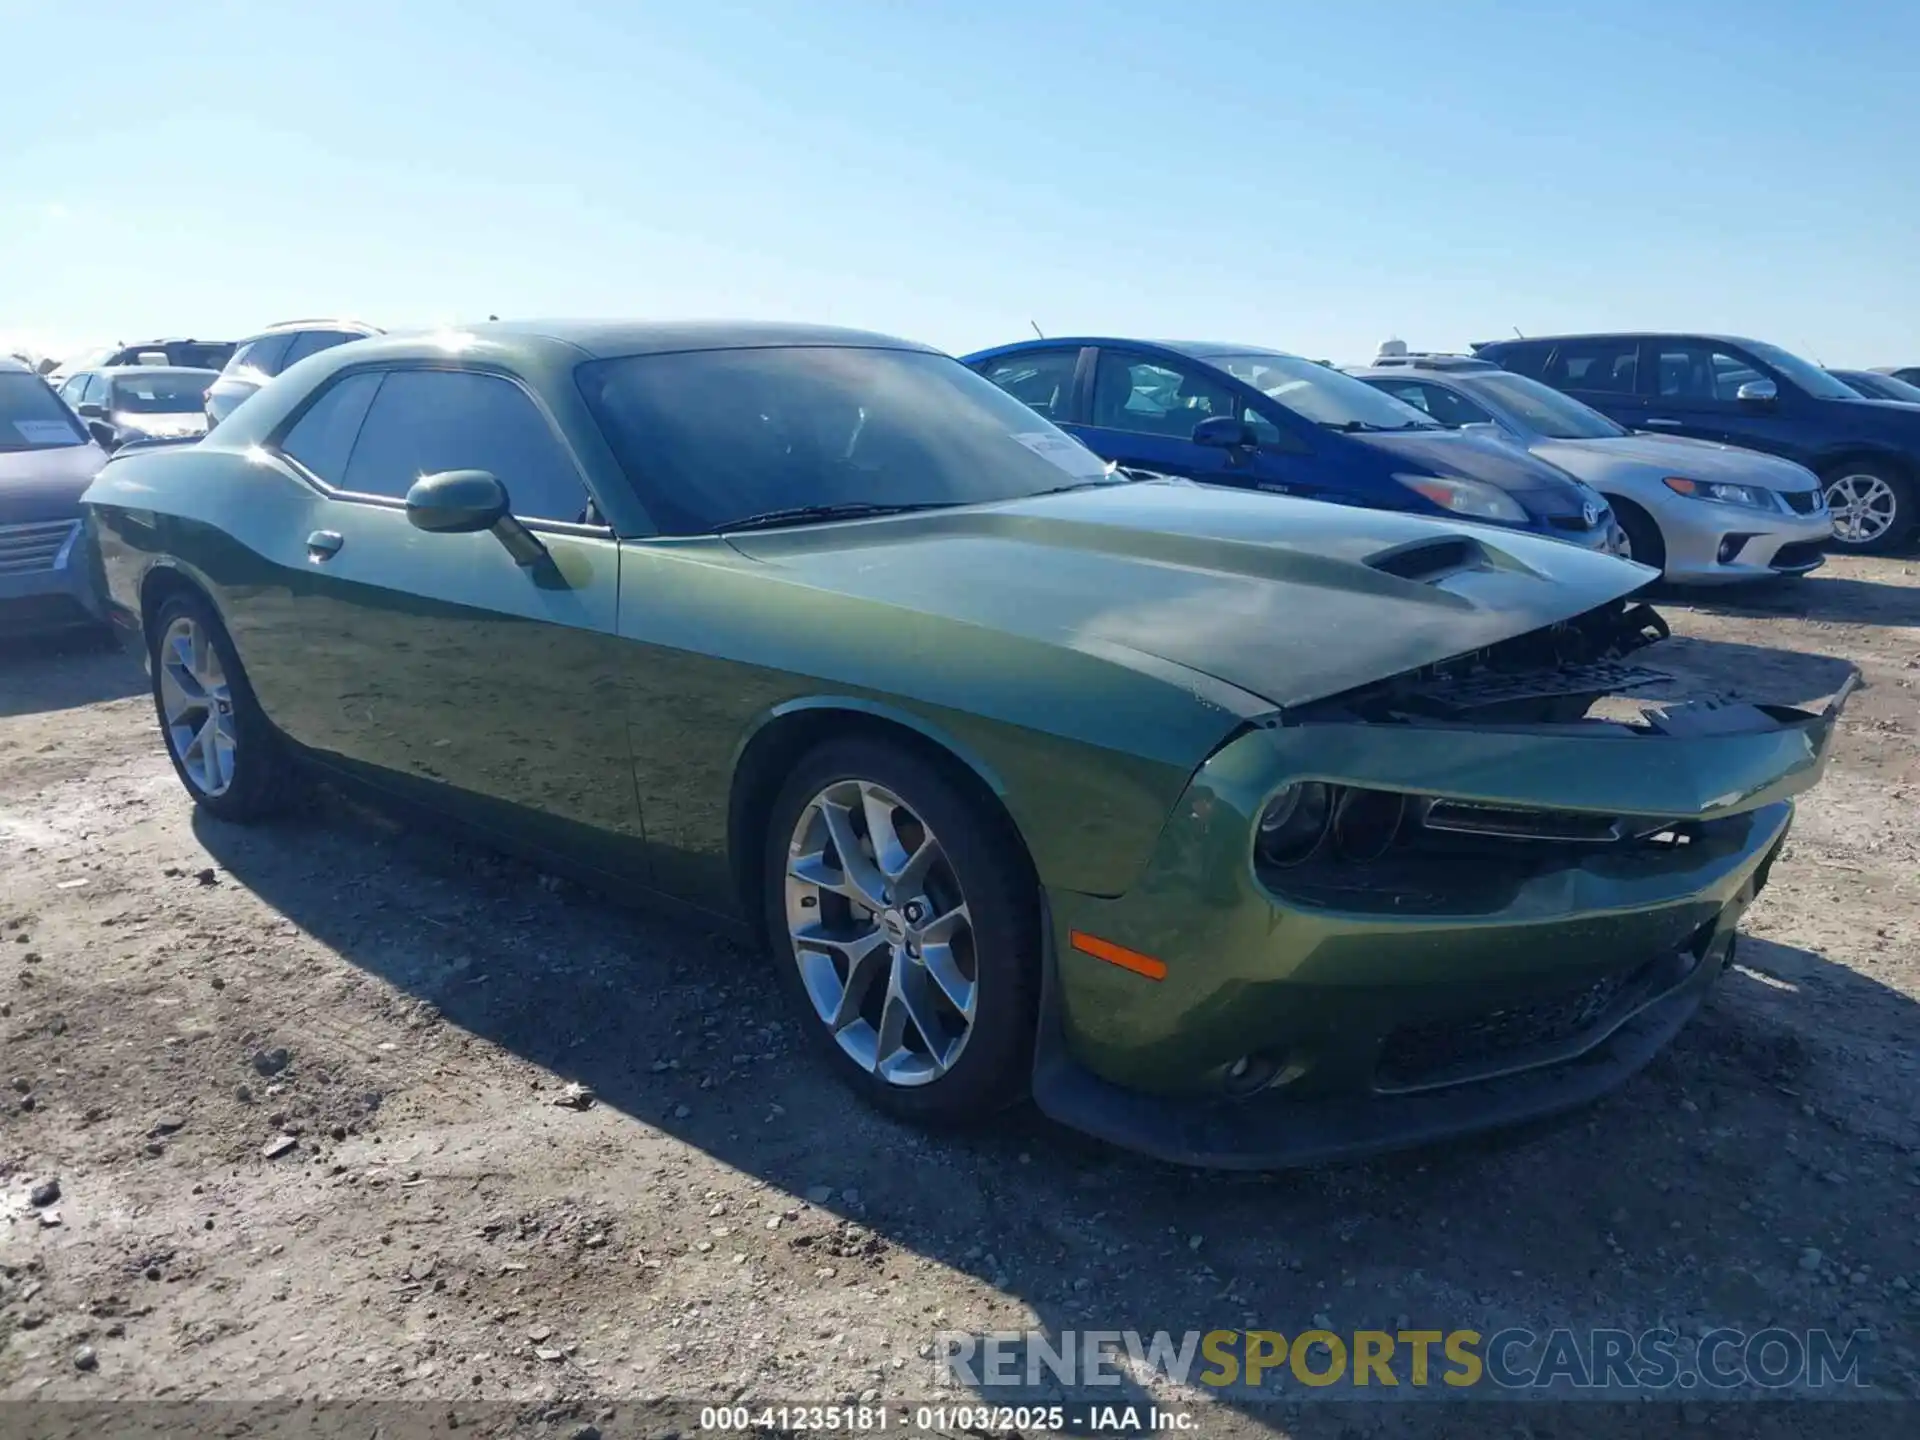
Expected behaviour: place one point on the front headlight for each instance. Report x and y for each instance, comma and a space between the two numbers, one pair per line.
1751, 496
1474, 499
1294, 822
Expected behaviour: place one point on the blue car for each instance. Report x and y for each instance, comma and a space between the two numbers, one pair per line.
1264, 420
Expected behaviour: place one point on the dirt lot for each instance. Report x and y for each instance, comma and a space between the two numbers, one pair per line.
724, 1223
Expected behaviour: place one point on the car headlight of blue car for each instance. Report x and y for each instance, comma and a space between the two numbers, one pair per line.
1474, 499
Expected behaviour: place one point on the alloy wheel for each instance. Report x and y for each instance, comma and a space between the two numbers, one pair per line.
881, 933
197, 704
1863, 508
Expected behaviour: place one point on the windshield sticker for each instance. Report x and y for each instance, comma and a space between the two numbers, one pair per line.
44, 432
1069, 454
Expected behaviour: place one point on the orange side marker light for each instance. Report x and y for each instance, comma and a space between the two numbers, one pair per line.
1118, 955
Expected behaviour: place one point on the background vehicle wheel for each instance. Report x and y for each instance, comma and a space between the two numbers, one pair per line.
221, 745
1644, 541
1873, 507
905, 922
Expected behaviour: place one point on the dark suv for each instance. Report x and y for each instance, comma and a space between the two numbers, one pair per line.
1749, 393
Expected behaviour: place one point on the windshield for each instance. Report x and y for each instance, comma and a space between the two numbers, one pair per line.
32, 417
1804, 373
164, 392
1542, 408
712, 437
1321, 394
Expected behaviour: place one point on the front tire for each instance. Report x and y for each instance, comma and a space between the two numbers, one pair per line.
1644, 540
1873, 507
905, 925
219, 740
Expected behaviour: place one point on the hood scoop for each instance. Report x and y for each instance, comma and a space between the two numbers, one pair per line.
1428, 562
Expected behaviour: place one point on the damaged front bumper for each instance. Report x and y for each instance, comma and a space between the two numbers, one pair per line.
1472, 975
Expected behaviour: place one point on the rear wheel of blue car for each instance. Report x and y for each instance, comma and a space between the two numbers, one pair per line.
221, 745
1872, 505
905, 923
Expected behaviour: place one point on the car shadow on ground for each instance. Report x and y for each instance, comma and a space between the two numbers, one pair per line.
1812, 597
64, 671
1745, 1163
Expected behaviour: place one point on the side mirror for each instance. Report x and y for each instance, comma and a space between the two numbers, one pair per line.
103, 435
1757, 392
457, 502
462, 502
91, 410
1485, 429
1224, 432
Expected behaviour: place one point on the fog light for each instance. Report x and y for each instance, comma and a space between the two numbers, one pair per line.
1731, 546
1366, 823
1250, 1073
1294, 822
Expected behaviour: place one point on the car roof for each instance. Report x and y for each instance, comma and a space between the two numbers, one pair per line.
316, 322
606, 339
115, 371
7, 362
1197, 349
1707, 335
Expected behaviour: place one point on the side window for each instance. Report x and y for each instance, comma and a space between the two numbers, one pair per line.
1602, 365
1692, 370
1526, 357
312, 342
1042, 379
264, 354
1451, 408
1157, 397
322, 438
73, 388
1410, 392
425, 421
95, 389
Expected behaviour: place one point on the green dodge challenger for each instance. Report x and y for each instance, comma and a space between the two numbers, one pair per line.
1241, 830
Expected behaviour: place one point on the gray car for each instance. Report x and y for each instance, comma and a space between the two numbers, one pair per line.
259, 358
46, 462
1703, 513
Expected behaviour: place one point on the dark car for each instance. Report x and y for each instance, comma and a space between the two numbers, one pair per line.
1265, 420
1876, 385
46, 462
129, 403
1908, 373
1746, 392
260, 357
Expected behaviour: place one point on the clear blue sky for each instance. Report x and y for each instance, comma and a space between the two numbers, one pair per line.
1315, 176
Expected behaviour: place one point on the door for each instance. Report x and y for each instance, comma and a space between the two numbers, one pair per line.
1143, 412
1695, 385
1603, 371
435, 664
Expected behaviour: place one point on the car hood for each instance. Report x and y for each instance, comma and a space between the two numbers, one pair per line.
172, 426
1286, 601
46, 484
1475, 457
1675, 455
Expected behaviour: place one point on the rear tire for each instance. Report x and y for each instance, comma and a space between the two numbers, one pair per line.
1645, 542
222, 747
1873, 507
925, 1000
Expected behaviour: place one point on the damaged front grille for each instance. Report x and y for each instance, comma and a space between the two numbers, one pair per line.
1448, 1052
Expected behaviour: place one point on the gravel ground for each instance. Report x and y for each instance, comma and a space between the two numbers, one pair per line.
305, 1093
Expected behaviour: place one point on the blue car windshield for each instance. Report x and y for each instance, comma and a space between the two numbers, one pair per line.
1804, 373
1321, 394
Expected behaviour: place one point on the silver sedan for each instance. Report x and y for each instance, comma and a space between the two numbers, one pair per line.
1704, 514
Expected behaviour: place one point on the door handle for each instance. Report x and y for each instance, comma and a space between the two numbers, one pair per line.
323, 545
1653, 421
